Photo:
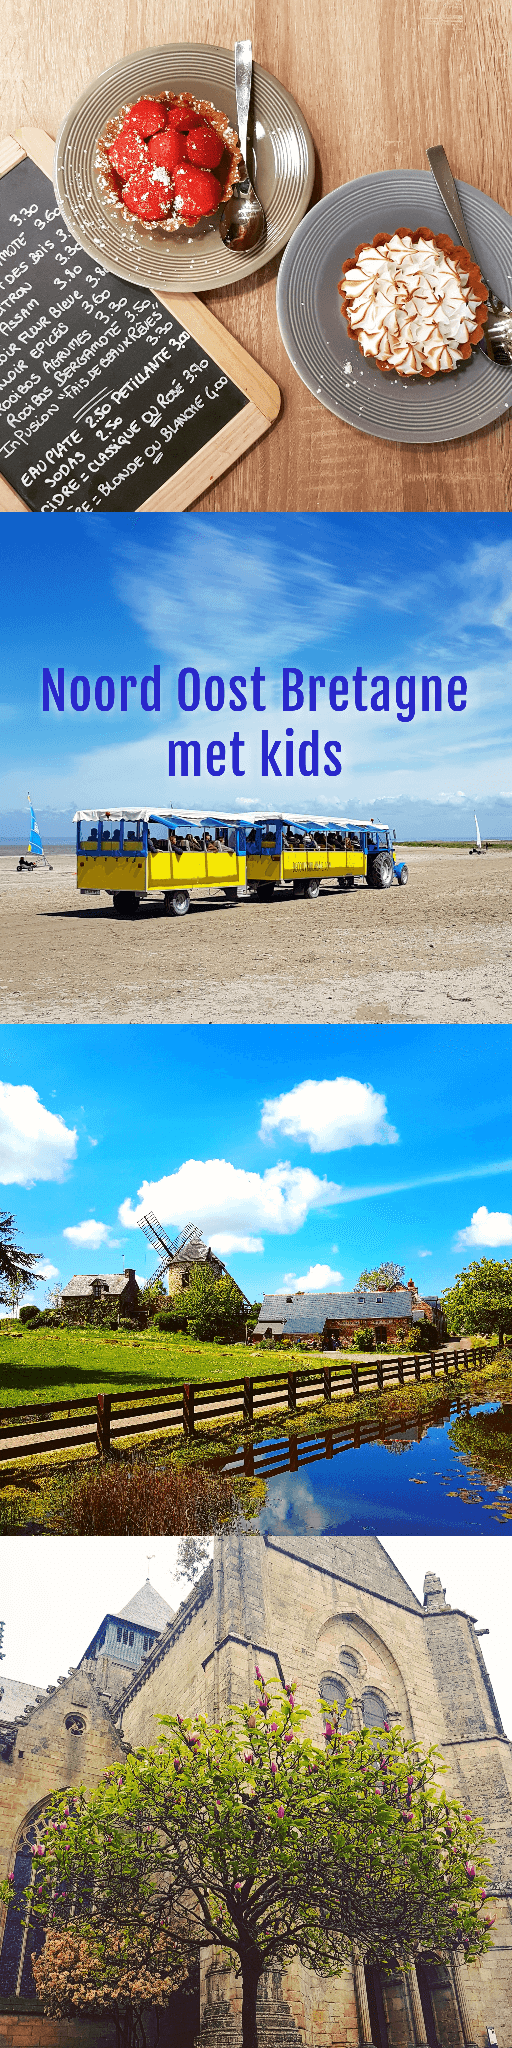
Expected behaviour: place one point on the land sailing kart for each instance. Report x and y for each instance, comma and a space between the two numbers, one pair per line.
138, 855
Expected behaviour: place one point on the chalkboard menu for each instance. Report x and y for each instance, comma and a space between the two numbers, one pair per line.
104, 394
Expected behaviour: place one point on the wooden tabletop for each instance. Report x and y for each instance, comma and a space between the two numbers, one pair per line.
378, 81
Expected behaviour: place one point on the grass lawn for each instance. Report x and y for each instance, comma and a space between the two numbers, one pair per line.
63, 1364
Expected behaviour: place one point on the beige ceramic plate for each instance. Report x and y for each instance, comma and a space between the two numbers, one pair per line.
195, 261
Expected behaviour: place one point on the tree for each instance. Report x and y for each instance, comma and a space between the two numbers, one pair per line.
249, 1837
194, 1554
17, 1267
480, 1303
382, 1279
213, 1308
109, 1971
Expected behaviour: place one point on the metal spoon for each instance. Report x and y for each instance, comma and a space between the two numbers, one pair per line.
497, 340
242, 222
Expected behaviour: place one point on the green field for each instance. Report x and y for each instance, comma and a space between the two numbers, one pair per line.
63, 1364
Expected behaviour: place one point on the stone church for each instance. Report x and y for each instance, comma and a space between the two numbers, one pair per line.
336, 1615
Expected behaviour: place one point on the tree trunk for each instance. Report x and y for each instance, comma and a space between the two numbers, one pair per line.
251, 1974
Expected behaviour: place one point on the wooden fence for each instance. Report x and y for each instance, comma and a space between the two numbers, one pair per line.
38, 1428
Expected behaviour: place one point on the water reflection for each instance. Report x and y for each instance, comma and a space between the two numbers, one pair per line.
430, 1474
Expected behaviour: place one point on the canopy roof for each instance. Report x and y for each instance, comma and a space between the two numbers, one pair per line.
231, 818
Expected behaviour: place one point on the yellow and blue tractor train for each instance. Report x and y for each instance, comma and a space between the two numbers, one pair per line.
137, 855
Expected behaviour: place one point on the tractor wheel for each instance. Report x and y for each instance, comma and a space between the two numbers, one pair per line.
346, 881
311, 889
125, 905
403, 876
176, 903
380, 874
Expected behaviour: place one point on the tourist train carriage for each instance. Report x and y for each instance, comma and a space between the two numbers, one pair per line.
134, 854
304, 852
141, 853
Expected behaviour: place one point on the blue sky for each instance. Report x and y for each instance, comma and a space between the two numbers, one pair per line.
305, 1155
396, 595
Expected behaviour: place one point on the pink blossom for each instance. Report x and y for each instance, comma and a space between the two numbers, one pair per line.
289, 1736
470, 1870
328, 1731
273, 1768
280, 1811
248, 1756
11, 1877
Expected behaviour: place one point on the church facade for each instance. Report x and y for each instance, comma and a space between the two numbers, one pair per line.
335, 1615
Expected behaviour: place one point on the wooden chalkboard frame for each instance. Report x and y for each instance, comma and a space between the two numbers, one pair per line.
263, 394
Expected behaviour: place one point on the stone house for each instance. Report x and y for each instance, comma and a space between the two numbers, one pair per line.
336, 1614
107, 1290
326, 1319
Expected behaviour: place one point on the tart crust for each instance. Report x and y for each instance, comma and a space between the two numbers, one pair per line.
471, 282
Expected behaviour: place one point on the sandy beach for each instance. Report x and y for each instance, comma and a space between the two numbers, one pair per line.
439, 951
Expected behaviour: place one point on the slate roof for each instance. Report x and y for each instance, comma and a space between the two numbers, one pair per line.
309, 1312
148, 1609
81, 1285
15, 1695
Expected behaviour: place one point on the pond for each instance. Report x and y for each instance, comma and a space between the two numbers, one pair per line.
448, 1473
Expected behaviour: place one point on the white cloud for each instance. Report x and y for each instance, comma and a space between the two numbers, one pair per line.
330, 1116
46, 1271
34, 1143
424, 1255
228, 1201
487, 1226
227, 1241
318, 1276
90, 1232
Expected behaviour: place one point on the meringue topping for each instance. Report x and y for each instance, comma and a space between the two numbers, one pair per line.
411, 305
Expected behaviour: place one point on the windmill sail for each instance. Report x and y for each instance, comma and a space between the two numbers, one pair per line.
188, 1248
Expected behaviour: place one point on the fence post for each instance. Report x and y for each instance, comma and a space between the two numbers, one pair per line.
380, 1375
327, 1383
293, 1453
248, 1400
417, 1369
188, 1410
354, 1369
329, 1443
292, 1391
249, 1461
432, 1365
103, 1418
400, 1371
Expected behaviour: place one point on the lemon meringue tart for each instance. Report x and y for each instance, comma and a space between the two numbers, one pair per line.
415, 302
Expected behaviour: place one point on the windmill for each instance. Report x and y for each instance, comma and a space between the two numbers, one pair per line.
188, 1249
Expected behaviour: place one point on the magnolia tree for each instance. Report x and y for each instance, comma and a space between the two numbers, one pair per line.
249, 1836
97, 1967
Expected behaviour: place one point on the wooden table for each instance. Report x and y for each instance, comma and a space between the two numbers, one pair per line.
377, 81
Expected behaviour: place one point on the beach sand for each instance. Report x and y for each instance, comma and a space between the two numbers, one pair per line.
438, 951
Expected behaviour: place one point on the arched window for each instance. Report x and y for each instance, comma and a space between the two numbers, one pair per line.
349, 1663
335, 1693
23, 1934
375, 1712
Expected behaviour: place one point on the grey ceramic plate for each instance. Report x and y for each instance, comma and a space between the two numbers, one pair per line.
317, 339
283, 161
